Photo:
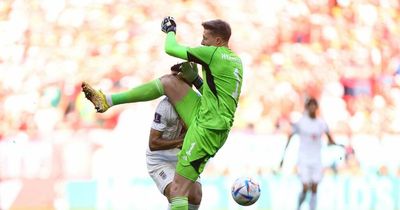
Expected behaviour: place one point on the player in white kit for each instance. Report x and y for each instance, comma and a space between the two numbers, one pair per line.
310, 129
166, 137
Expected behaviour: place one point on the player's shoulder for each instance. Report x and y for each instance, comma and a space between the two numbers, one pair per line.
164, 104
165, 107
203, 50
303, 118
321, 121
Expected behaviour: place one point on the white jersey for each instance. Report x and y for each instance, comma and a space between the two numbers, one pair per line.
167, 121
310, 133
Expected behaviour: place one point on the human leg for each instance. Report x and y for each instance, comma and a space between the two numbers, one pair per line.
102, 102
187, 172
179, 192
163, 178
168, 85
199, 146
162, 174
304, 174
313, 199
193, 206
188, 107
195, 195
302, 195
316, 176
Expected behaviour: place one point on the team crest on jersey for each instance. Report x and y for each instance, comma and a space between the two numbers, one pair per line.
157, 118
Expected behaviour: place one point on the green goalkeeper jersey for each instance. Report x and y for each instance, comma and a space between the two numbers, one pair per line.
222, 72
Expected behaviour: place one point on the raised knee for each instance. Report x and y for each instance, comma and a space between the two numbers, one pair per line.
168, 78
169, 81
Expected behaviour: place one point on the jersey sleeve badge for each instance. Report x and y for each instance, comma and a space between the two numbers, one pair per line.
157, 118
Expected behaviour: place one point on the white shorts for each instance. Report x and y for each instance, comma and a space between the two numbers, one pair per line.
310, 172
163, 174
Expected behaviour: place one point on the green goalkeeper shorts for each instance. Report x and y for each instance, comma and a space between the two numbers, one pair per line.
199, 145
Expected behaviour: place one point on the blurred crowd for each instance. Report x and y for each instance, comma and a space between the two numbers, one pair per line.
345, 53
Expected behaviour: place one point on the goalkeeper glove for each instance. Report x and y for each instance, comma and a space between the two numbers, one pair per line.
188, 71
168, 24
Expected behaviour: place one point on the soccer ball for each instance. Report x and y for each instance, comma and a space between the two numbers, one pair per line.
245, 191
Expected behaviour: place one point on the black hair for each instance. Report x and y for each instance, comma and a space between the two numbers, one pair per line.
310, 101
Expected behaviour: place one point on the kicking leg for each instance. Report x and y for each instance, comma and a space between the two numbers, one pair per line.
169, 85
97, 97
176, 89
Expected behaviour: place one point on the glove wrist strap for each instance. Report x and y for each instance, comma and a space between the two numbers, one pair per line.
198, 82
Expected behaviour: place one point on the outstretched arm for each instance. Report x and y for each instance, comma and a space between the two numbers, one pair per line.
173, 48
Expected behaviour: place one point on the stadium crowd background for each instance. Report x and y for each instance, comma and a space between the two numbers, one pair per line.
345, 53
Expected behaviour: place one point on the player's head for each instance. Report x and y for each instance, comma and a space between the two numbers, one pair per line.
216, 33
311, 106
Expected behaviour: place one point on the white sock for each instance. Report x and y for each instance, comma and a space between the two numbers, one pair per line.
109, 100
193, 207
313, 201
169, 206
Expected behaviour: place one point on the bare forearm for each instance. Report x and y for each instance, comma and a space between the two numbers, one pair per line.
288, 140
160, 144
330, 139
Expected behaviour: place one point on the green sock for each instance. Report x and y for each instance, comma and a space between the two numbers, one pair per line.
179, 203
146, 92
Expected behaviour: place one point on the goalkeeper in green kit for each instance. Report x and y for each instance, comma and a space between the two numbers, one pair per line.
209, 117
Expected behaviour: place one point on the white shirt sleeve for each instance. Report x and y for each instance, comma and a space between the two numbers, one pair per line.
161, 116
295, 128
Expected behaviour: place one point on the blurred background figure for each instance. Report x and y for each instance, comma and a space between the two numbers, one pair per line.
310, 128
57, 153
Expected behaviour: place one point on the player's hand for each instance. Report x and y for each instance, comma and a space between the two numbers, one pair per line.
168, 25
338, 145
188, 71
